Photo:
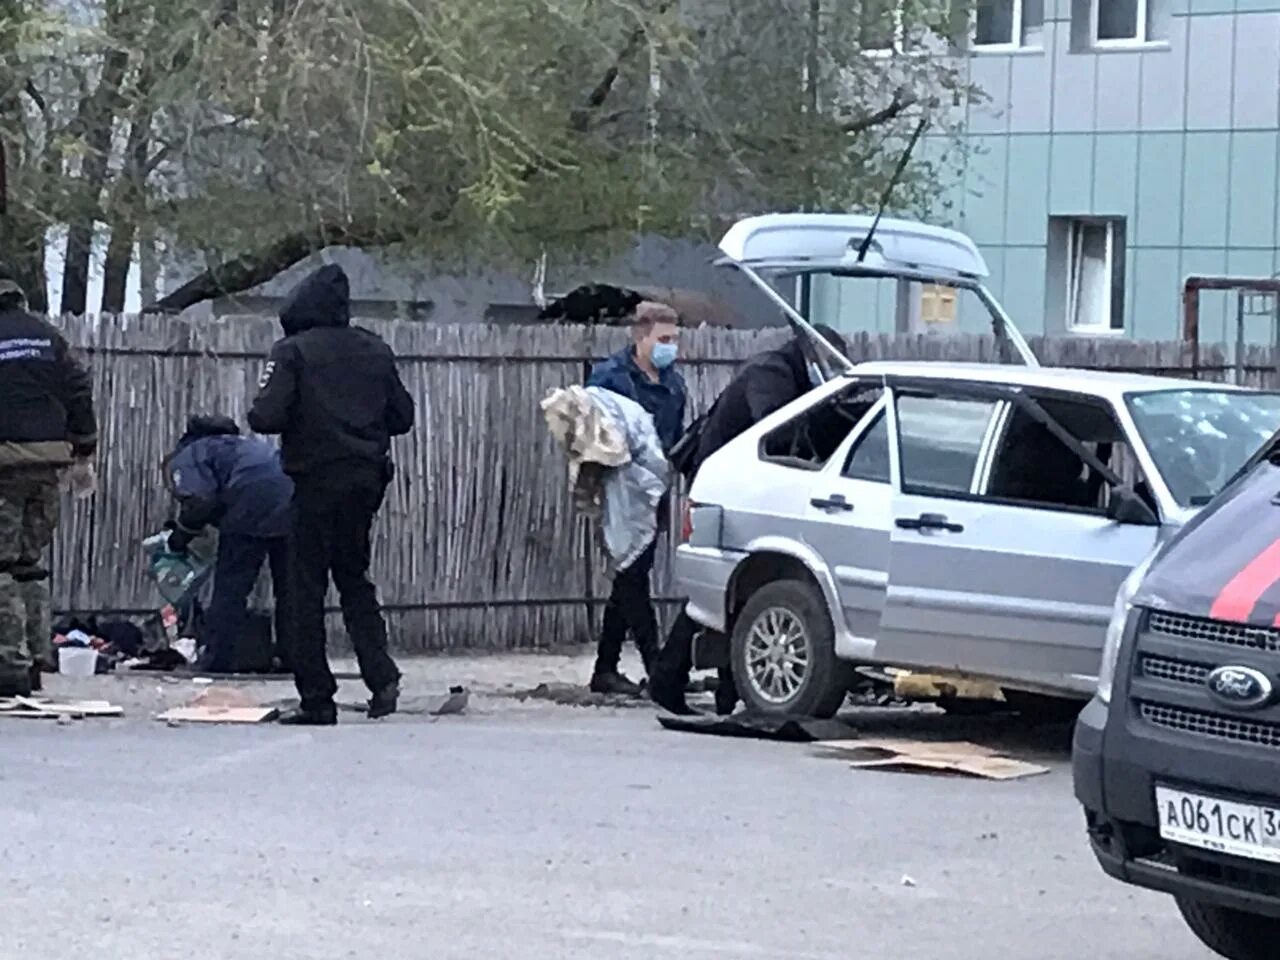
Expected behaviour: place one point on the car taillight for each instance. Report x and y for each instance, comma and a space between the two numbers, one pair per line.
686, 521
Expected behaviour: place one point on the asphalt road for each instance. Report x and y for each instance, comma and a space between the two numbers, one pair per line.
536, 831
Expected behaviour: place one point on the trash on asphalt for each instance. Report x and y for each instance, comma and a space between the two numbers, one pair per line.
575, 695
220, 705
454, 702
928, 756
760, 727
928, 686
45, 708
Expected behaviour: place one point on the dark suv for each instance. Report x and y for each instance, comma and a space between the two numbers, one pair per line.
1177, 759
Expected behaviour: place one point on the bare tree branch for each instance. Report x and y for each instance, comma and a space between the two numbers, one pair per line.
901, 102
252, 269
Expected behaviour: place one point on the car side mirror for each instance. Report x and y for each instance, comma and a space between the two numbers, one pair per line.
1129, 508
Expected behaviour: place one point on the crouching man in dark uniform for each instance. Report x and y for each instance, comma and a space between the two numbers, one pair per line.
236, 484
766, 383
46, 421
332, 391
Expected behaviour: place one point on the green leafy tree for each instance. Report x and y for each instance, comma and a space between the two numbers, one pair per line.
260, 131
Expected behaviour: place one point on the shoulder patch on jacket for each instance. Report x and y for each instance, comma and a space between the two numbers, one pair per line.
267, 371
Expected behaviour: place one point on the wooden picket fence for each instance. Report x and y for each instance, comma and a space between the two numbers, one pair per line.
478, 546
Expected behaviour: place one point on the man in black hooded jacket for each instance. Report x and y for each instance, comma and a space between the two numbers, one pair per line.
766, 383
332, 391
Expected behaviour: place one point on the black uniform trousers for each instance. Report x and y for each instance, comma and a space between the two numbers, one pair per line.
675, 663
332, 517
629, 609
240, 559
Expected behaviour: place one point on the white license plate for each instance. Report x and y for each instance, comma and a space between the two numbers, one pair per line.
1238, 829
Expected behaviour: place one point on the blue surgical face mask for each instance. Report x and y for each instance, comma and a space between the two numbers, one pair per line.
664, 354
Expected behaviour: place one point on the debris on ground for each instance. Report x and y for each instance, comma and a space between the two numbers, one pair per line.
758, 727
923, 756
441, 705
44, 708
575, 695
928, 686
454, 702
220, 705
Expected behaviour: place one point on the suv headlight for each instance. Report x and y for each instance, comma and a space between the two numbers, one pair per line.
1115, 629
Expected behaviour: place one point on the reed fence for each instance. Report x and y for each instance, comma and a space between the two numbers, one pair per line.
478, 546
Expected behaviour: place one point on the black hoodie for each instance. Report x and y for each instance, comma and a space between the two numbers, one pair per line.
767, 382
330, 389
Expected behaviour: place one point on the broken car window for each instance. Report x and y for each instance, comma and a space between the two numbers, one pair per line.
1032, 466
1199, 438
809, 439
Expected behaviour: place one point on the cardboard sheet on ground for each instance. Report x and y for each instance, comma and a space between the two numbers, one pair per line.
44, 708
220, 705
925, 756
784, 729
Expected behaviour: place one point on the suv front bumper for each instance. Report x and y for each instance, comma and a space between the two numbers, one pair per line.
1117, 792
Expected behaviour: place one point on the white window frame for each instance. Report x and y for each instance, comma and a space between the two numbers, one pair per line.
1143, 37
1015, 41
899, 44
1075, 231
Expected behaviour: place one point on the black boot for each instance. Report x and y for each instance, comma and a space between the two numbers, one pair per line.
37, 678
614, 683
320, 716
385, 701
670, 696
726, 694
15, 685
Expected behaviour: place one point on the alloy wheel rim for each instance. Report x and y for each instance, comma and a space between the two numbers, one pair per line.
777, 654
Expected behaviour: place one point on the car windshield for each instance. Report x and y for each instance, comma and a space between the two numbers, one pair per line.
1199, 438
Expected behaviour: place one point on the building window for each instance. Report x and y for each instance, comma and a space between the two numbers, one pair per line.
882, 26
1090, 265
1008, 24
937, 304
1121, 22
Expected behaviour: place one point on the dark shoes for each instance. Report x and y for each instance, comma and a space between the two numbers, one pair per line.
326, 716
15, 685
385, 701
670, 697
381, 704
726, 700
614, 683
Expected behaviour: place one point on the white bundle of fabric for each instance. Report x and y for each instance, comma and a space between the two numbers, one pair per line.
617, 471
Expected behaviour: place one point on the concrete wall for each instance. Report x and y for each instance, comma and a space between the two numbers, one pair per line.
1179, 136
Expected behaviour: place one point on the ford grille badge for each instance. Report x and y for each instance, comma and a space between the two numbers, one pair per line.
1242, 688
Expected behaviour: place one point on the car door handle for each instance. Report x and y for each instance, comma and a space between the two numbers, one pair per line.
929, 521
833, 502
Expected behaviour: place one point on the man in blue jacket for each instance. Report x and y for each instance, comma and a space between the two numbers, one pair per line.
644, 372
236, 484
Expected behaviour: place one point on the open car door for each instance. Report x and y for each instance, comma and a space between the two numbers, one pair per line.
1011, 534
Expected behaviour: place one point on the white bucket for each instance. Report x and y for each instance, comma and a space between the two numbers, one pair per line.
77, 661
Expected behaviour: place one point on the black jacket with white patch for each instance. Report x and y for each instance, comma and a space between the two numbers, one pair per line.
330, 390
46, 398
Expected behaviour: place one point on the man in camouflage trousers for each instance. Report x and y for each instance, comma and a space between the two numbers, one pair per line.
46, 422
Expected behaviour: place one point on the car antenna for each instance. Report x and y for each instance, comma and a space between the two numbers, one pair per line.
888, 190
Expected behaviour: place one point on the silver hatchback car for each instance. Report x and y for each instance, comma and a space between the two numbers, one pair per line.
962, 518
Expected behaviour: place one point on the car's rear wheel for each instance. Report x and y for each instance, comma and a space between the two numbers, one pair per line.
1232, 933
784, 652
